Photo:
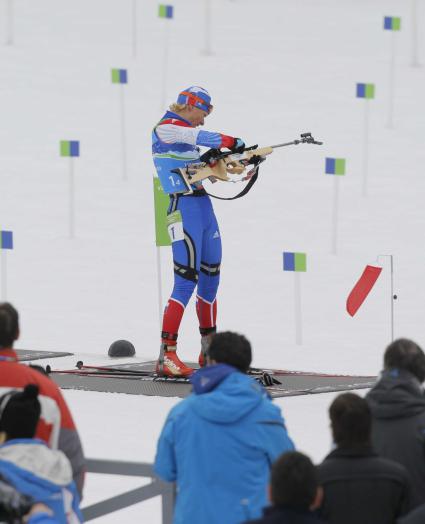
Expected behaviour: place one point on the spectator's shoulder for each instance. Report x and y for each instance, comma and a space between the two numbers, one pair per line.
181, 408
18, 375
392, 467
269, 408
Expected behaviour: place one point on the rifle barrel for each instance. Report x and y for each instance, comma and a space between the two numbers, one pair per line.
285, 144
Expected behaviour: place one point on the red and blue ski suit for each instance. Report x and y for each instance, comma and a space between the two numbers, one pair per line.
197, 247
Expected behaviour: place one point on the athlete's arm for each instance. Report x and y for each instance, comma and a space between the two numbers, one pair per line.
172, 134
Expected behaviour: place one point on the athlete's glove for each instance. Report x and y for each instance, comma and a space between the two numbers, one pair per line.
256, 159
238, 146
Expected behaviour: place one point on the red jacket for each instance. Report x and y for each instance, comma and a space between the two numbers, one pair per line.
56, 426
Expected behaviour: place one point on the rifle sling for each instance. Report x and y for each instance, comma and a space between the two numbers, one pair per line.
244, 191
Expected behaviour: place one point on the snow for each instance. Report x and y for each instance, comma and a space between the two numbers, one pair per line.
278, 68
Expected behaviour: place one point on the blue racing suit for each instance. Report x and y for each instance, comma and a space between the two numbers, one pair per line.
196, 240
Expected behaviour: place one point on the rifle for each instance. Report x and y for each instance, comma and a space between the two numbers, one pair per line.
216, 165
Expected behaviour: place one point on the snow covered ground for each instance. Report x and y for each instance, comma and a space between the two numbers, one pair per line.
278, 68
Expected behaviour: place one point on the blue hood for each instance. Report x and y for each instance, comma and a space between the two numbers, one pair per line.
206, 379
224, 395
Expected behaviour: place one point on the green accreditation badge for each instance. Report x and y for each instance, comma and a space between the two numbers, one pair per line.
175, 226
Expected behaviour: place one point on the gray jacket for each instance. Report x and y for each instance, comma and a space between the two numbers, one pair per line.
397, 403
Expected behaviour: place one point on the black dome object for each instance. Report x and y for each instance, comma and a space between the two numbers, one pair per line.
121, 348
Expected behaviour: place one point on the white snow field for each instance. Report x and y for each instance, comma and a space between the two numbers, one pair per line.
277, 68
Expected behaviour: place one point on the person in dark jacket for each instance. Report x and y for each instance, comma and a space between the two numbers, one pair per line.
294, 492
397, 403
218, 444
359, 486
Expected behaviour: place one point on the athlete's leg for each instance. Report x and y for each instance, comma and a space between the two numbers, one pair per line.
186, 248
209, 279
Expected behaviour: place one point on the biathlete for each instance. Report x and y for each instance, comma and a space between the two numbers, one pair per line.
193, 227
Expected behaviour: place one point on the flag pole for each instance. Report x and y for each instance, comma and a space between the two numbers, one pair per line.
159, 272
162, 238
391, 80
207, 31
297, 306
335, 215
365, 147
165, 67
414, 31
134, 28
71, 199
393, 297
3, 275
10, 16
123, 135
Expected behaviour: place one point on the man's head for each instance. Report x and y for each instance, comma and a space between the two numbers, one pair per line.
351, 421
230, 348
19, 413
405, 354
294, 482
193, 104
9, 325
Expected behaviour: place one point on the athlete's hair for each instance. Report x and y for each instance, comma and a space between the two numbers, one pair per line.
351, 420
176, 108
294, 481
231, 348
405, 354
9, 325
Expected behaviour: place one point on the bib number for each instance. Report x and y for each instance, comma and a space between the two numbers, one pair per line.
175, 226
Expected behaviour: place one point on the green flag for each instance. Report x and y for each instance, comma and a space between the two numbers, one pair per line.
161, 205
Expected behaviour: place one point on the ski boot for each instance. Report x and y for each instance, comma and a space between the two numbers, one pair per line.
169, 364
206, 334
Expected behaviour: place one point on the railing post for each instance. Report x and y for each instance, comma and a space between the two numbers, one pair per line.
134, 469
167, 502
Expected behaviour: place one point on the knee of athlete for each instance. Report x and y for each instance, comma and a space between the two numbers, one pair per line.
182, 291
208, 290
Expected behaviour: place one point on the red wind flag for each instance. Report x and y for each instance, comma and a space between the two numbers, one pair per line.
362, 288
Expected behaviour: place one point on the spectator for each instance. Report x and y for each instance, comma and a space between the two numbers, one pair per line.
28, 464
359, 486
56, 426
218, 444
397, 403
294, 492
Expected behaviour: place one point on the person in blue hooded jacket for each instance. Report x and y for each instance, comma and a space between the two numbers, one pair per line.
219, 443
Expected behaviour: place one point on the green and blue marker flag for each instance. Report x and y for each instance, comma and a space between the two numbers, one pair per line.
119, 76
392, 23
70, 148
165, 11
335, 166
161, 202
6, 240
365, 91
294, 261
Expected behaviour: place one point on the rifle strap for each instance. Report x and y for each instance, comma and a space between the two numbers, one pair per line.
244, 191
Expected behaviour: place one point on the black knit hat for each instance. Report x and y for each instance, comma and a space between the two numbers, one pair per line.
20, 412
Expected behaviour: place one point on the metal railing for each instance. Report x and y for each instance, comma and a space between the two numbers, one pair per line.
133, 469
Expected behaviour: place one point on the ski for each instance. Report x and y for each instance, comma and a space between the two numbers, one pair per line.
265, 378
105, 372
80, 365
